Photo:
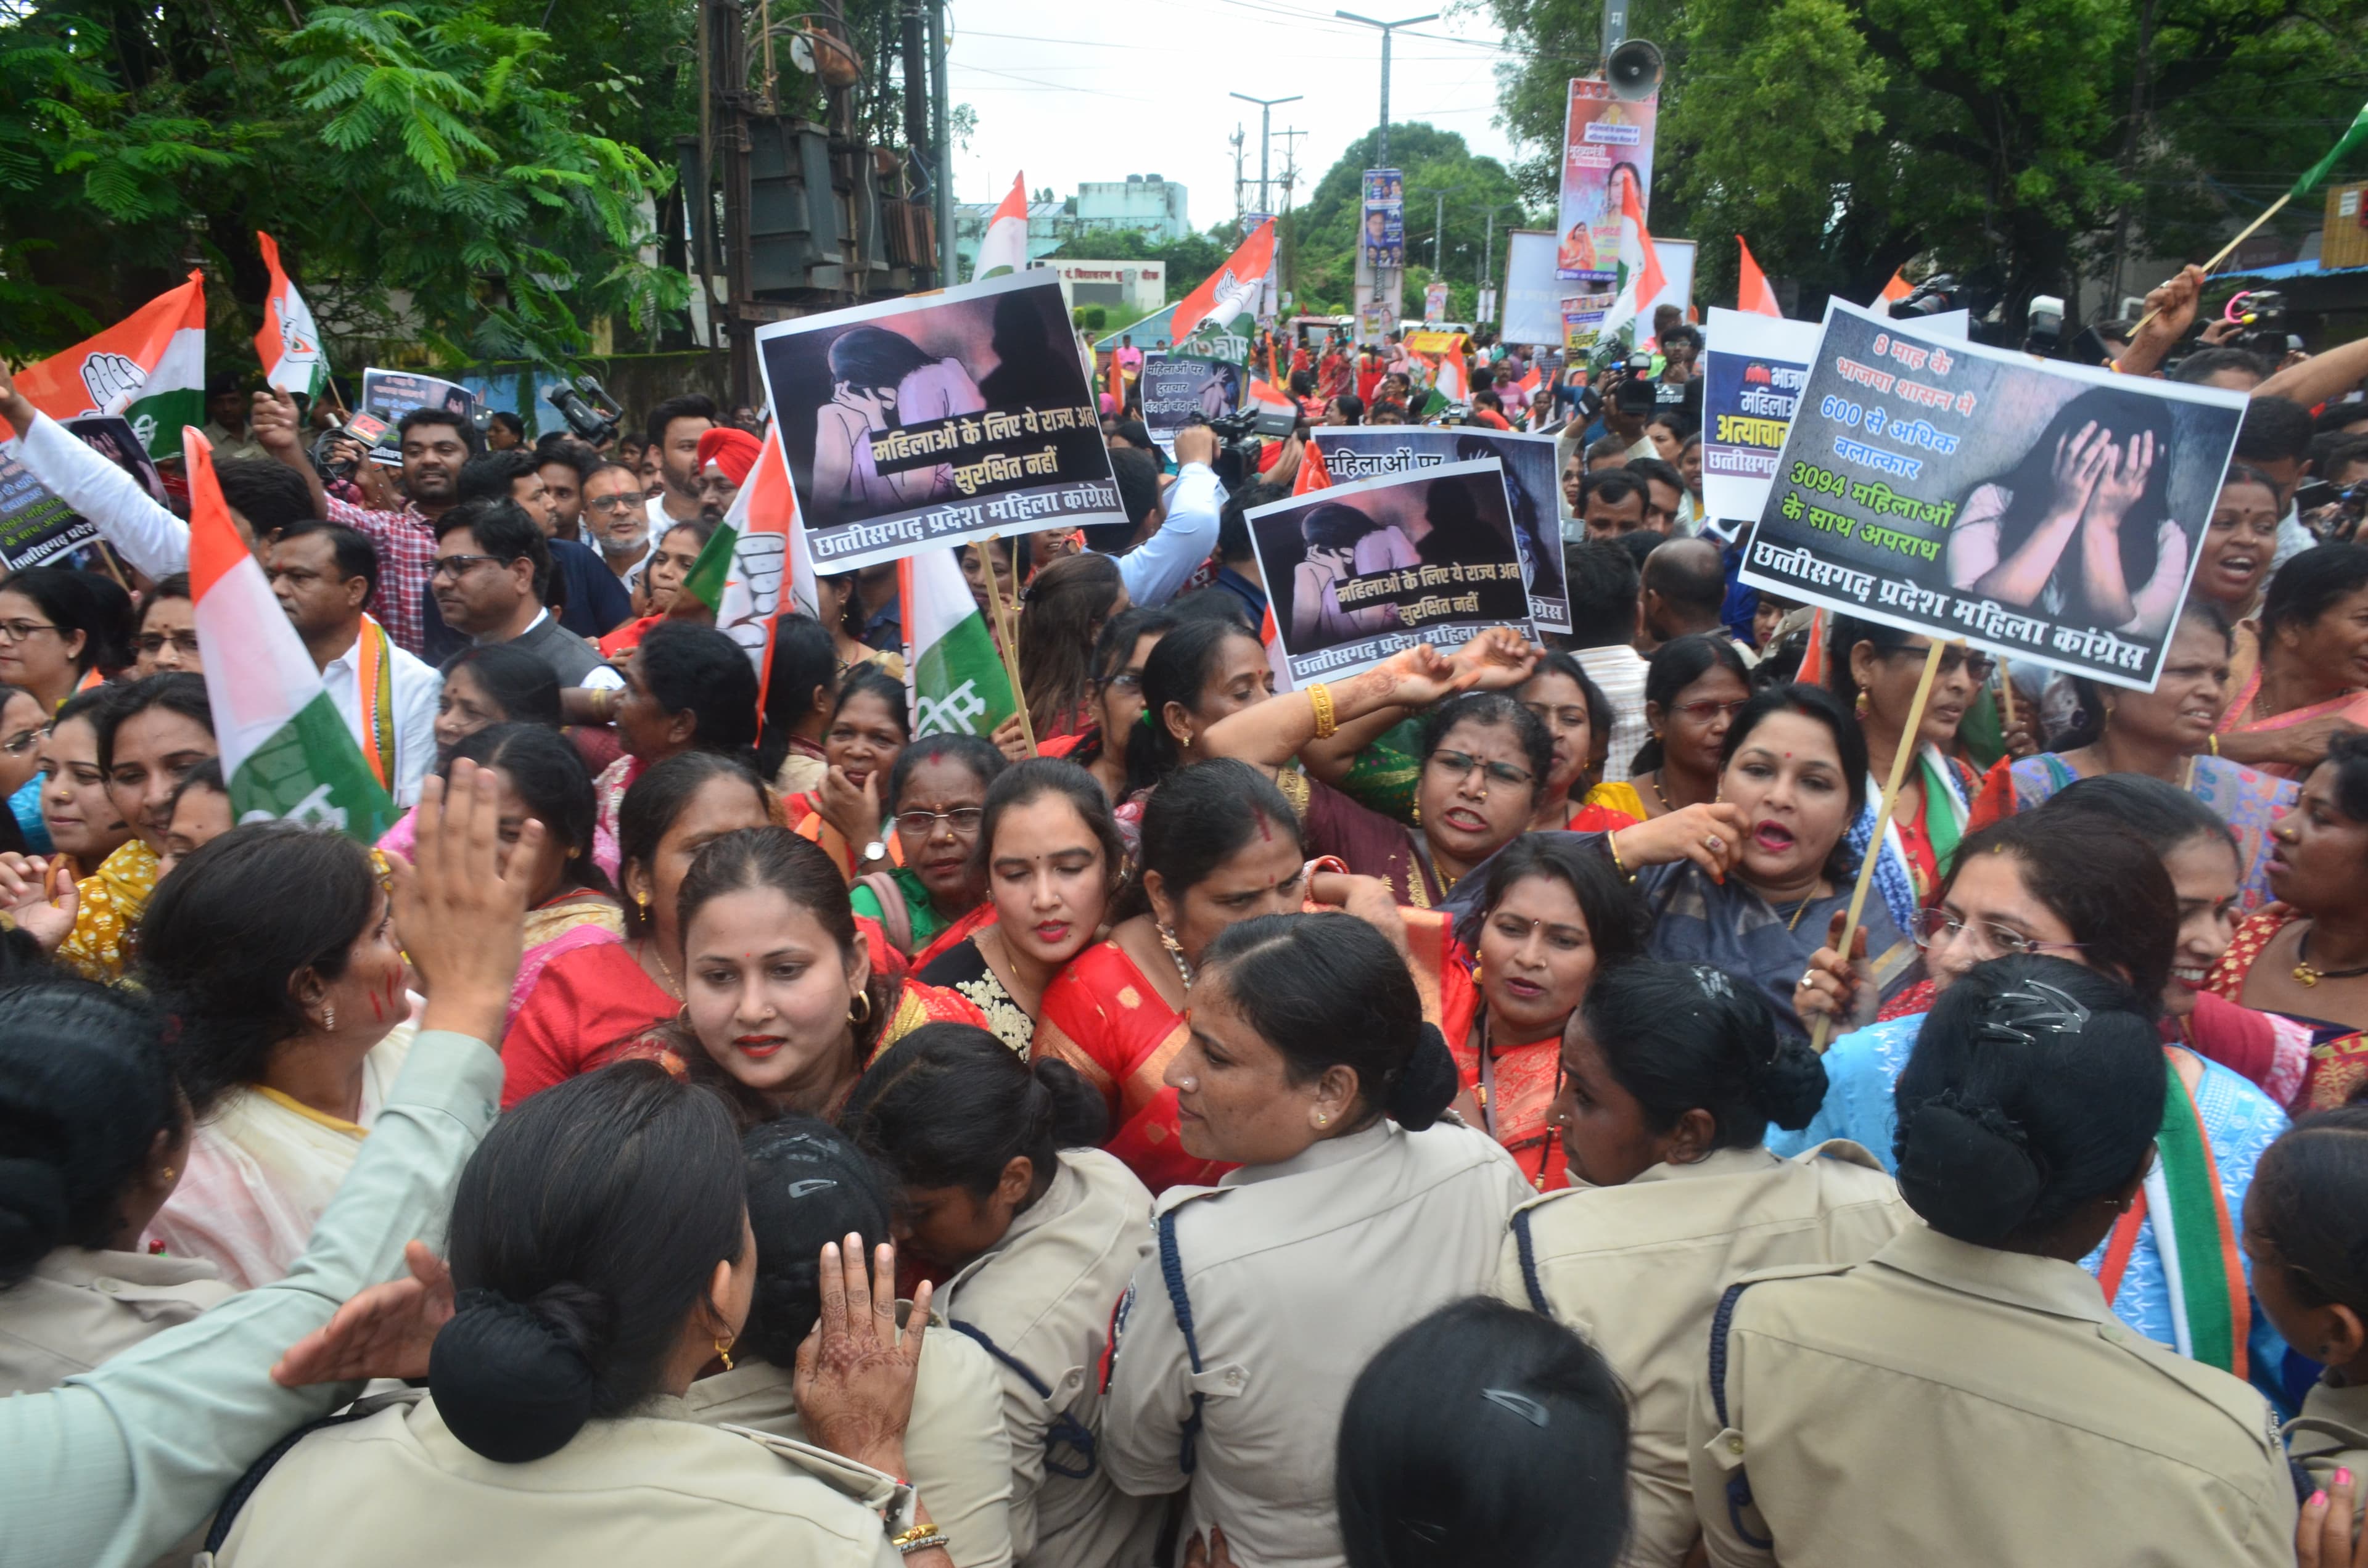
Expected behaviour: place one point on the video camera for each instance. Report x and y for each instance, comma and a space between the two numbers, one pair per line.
595, 416
2263, 315
375, 435
1239, 438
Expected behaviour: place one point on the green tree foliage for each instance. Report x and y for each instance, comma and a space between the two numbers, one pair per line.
437, 171
1442, 177
1994, 138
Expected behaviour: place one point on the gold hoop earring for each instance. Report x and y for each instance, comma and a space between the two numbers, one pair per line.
723, 1351
859, 1012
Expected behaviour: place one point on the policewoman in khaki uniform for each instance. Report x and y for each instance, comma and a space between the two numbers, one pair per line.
1036, 1232
91, 1142
2306, 1237
1354, 1213
602, 1250
1671, 1075
808, 1184
1965, 1395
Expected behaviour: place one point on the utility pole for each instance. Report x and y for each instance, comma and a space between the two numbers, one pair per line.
1437, 226
1265, 111
1287, 231
942, 113
1382, 161
1240, 138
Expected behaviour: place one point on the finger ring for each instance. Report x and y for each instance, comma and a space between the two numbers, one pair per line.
1714, 842
1808, 978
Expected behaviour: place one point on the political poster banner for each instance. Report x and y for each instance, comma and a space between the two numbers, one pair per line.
391, 395
1434, 303
37, 529
927, 421
1532, 293
1607, 149
1384, 235
1175, 388
2047, 511
1753, 370
1582, 319
1371, 451
1356, 572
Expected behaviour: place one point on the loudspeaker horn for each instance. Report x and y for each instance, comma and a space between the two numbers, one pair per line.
1635, 69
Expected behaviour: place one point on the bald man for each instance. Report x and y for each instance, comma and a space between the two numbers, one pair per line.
1685, 586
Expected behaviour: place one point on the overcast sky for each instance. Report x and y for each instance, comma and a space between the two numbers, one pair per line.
1139, 86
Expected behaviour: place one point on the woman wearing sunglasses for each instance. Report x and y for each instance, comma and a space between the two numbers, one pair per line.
2066, 883
1876, 669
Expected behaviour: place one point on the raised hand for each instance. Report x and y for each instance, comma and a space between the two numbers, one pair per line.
1496, 660
384, 1332
854, 1377
2080, 459
1846, 993
1710, 835
39, 895
462, 919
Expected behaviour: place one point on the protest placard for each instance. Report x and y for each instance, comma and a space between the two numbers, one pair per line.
1753, 370
391, 395
1370, 451
1532, 295
1359, 571
1606, 145
924, 422
2040, 509
1178, 387
37, 529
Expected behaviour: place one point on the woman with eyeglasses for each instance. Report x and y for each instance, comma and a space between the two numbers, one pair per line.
1876, 669
1693, 689
166, 640
938, 895
2163, 733
1115, 696
61, 630
22, 722
2066, 883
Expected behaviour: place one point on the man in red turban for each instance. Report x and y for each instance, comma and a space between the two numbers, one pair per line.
727, 456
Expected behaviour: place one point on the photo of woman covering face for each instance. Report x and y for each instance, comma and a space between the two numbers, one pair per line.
2080, 530
880, 380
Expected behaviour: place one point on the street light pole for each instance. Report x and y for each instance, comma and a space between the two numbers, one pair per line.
1265, 110
1383, 160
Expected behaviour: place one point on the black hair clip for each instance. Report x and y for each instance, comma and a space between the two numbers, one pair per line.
1522, 1406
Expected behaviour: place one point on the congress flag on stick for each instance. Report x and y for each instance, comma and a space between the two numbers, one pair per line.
738, 573
1751, 290
1312, 475
1229, 294
288, 345
1641, 277
1005, 244
951, 671
150, 367
286, 752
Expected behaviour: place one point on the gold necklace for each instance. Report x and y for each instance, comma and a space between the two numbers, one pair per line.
673, 987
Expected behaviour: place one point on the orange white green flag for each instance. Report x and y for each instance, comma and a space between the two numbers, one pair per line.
1231, 292
739, 571
1005, 244
150, 367
288, 345
954, 676
286, 752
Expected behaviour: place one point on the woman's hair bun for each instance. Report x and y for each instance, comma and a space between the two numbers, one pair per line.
512, 1380
1790, 1086
1426, 1086
1966, 1168
33, 1213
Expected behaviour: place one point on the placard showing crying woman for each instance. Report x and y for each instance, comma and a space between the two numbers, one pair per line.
919, 423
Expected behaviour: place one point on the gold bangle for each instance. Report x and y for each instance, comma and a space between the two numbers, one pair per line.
920, 1538
1612, 842
1319, 698
2214, 742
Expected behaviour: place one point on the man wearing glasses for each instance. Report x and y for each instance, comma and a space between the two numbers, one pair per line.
616, 521
492, 570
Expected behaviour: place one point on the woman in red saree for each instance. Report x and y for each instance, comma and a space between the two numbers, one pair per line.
1220, 845
2309, 684
688, 688
1554, 916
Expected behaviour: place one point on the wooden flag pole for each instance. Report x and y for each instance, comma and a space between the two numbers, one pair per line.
1883, 822
1006, 631
2006, 690
2268, 212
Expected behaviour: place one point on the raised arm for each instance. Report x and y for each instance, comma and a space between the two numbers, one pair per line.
1269, 734
1495, 661
147, 535
1154, 570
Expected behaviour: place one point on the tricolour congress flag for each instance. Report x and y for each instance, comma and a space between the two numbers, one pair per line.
951, 669
288, 345
1005, 244
1641, 277
1232, 291
1751, 290
286, 750
738, 573
150, 367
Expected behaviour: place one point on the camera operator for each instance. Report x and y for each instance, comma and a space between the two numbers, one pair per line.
1185, 531
563, 465
1680, 382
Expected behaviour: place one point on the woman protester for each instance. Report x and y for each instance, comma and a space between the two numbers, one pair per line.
2307, 689
274, 946
2304, 957
1052, 860
1877, 668
1308, 1065
2233, 561
489, 684
2029, 1118
809, 1184
166, 637
1115, 696
937, 790
78, 816
587, 1002
799, 684
601, 1251
868, 729
783, 999
115, 1465
839, 606
1483, 1434
22, 724
659, 580
60, 631
1061, 621
688, 688
2162, 734
1692, 691
1032, 1230
2068, 880
1555, 919
1671, 1077
199, 813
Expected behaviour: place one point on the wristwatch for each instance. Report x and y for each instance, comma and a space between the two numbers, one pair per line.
875, 850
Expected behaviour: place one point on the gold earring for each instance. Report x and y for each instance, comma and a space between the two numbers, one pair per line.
642, 900
1860, 705
1324, 1120
723, 1351
170, 1175
859, 1012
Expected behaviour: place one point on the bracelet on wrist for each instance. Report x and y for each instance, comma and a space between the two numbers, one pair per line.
1612, 843
920, 1538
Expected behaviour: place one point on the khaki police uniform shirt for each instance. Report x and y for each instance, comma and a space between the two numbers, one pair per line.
2331, 1433
955, 1450
79, 1307
1949, 1403
1043, 1294
1297, 1273
398, 1490
1638, 1269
